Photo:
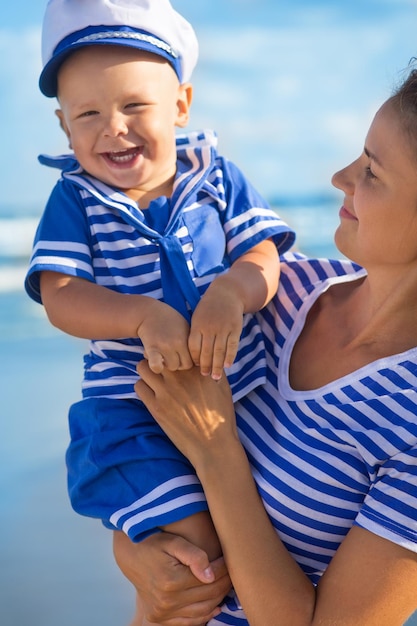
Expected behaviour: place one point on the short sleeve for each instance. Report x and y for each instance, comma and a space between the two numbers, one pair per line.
62, 240
248, 218
390, 507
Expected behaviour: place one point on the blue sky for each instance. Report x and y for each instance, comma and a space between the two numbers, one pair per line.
289, 85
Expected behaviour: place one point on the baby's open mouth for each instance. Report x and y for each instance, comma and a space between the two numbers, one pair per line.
123, 156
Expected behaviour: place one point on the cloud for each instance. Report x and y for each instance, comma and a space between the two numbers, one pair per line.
298, 99
27, 120
290, 88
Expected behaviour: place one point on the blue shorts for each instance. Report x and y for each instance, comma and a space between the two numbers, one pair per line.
124, 470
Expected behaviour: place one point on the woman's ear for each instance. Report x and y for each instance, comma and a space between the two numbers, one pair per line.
63, 125
185, 96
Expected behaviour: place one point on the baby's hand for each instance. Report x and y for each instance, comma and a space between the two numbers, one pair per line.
164, 334
216, 327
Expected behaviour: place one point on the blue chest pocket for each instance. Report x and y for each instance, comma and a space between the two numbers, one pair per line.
209, 241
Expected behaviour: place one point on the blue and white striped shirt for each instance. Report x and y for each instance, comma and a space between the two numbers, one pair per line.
332, 457
172, 251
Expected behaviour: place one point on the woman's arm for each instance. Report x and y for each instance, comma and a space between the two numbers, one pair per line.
370, 581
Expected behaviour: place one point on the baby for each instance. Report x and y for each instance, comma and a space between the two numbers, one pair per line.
151, 246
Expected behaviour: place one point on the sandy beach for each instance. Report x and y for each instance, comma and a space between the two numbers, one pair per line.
57, 567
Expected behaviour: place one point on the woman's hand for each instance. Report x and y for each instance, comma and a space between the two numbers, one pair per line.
195, 411
176, 584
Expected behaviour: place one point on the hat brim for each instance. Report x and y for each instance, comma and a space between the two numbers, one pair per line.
48, 80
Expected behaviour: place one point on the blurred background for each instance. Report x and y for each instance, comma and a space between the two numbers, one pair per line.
291, 87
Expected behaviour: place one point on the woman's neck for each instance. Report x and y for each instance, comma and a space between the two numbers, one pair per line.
382, 309
351, 325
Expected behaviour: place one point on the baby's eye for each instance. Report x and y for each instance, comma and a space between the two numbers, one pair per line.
135, 105
88, 113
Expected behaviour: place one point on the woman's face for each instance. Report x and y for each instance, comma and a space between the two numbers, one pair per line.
378, 219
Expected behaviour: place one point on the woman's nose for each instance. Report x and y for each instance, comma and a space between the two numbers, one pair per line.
343, 179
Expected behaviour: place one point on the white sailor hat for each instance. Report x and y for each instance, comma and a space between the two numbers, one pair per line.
150, 25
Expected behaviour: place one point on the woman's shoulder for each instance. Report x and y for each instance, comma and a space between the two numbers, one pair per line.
306, 270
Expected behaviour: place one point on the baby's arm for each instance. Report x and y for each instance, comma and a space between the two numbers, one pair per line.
91, 311
216, 324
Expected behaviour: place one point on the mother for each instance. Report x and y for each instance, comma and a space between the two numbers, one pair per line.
312, 487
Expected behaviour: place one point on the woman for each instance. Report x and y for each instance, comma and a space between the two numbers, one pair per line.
325, 532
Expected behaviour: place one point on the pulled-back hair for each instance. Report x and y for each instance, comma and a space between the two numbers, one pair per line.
404, 100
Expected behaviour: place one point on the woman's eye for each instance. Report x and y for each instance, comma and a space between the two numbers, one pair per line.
369, 173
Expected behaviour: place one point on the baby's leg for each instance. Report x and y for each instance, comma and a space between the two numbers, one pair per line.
199, 530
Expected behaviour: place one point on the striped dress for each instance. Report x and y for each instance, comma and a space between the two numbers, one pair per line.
172, 252
332, 457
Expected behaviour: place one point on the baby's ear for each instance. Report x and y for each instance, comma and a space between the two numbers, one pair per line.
63, 125
185, 97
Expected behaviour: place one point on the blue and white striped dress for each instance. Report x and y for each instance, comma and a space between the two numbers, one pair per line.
332, 457
172, 251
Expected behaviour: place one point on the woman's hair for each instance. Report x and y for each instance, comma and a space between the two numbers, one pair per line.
404, 101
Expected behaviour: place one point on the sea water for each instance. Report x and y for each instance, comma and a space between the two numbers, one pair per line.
57, 567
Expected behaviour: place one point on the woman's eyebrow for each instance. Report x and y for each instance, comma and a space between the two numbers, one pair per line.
372, 156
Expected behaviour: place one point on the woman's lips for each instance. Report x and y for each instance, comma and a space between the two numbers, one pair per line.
344, 213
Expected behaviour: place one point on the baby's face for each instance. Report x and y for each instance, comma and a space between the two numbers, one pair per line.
119, 109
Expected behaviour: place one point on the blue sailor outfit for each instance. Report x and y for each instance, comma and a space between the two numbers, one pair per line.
121, 467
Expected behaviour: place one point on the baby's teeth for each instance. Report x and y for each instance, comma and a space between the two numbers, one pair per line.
121, 157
